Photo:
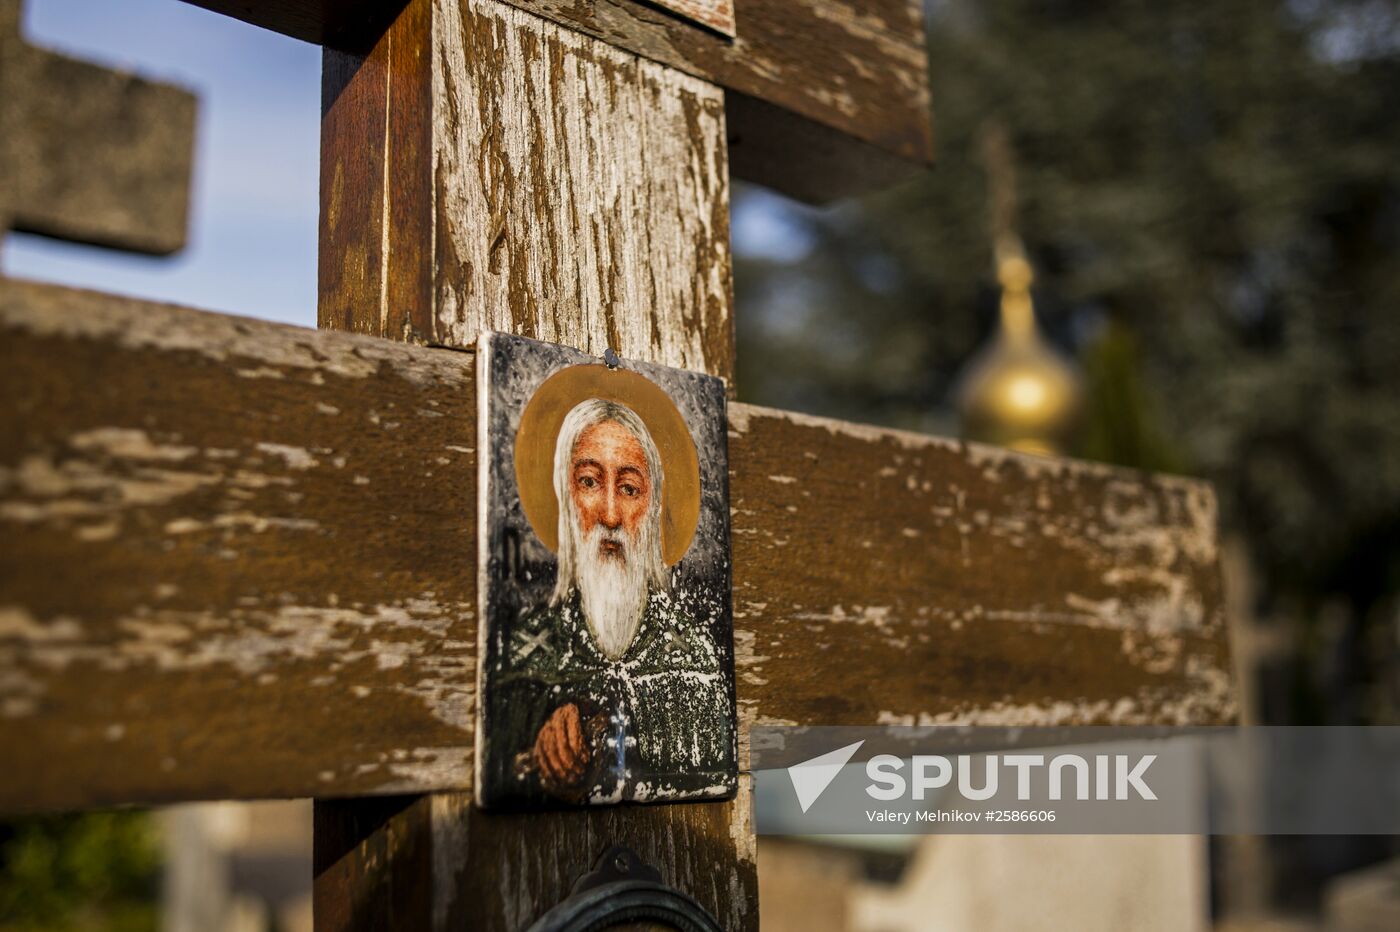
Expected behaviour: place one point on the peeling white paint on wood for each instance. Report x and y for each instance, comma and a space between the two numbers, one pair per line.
253, 642
717, 14
129, 443
295, 351
293, 457
584, 192
1056, 572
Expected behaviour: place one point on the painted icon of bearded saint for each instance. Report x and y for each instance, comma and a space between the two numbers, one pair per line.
614, 690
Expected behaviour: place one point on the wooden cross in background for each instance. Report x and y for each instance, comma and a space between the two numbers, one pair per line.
89, 154
239, 559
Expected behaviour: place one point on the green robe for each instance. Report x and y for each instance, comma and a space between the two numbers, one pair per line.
658, 719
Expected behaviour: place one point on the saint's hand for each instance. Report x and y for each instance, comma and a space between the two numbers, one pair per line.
561, 752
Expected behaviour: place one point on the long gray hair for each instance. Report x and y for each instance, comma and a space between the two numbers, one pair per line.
648, 546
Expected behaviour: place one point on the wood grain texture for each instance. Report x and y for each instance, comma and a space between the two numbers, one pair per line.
852, 74
196, 507
888, 577
583, 194
717, 14
236, 559
569, 191
90, 154
852, 71
373, 864
375, 270
523, 864
763, 138
376, 859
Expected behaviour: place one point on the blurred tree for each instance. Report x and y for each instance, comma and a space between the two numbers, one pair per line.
96, 871
1123, 422
1210, 194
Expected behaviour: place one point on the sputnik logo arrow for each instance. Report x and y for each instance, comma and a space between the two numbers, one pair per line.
811, 777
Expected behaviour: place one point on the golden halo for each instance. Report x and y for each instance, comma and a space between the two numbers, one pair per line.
538, 433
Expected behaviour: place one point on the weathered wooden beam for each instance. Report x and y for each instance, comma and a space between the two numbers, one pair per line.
845, 80
483, 168
89, 154
236, 558
527, 178
374, 865
531, 179
334, 23
889, 577
237, 561
825, 97
398, 862
716, 14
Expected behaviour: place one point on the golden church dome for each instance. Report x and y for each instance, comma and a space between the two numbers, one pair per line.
1019, 392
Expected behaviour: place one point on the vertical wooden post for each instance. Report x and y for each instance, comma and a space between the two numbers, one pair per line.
485, 168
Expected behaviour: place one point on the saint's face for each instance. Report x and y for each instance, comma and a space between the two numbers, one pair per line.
610, 483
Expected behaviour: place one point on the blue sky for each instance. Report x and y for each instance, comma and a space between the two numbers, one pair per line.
252, 244
253, 223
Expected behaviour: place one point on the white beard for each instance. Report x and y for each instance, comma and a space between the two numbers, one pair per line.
613, 589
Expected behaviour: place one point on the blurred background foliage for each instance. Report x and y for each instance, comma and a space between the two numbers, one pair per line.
89, 872
1210, 196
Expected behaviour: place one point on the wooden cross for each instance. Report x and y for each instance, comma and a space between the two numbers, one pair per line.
238, 558
90, 154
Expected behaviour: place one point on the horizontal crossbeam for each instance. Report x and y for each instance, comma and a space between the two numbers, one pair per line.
238, 560
823, 98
